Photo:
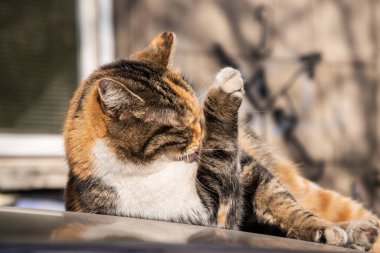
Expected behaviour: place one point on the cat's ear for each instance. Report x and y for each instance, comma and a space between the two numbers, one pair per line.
117, 100
160, 50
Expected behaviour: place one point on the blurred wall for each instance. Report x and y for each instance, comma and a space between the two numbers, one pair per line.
311, 69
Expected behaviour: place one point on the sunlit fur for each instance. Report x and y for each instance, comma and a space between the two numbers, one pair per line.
144, 111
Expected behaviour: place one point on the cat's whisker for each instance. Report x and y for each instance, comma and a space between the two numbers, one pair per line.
218, 149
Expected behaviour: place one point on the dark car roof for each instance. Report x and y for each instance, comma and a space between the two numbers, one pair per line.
32, 230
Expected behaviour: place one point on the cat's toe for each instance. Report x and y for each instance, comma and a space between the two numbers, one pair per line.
331, 235
335, 236
230, 81
362, 234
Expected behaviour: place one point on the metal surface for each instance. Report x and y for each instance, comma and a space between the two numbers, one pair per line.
32, 230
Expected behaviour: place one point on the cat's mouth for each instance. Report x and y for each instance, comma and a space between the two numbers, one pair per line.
189, 157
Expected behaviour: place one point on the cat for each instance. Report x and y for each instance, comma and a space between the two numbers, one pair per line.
139, 144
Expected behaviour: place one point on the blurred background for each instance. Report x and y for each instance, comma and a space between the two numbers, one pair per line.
311, 69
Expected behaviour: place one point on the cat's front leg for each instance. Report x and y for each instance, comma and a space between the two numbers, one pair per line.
219, 167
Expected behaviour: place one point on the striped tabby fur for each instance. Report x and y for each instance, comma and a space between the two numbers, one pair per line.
139, 144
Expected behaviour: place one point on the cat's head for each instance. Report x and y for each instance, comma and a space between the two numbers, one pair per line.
148, 108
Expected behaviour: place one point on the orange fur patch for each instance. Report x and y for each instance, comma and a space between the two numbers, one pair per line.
188, 97
222, 215
324, 201
86, 129
197, 135
343, 213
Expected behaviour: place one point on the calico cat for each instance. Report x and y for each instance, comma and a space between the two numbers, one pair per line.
139, 144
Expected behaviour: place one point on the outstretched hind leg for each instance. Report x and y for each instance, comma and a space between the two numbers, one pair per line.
361, 225
275, 205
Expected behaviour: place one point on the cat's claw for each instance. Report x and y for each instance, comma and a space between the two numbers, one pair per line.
230, 81
362, 234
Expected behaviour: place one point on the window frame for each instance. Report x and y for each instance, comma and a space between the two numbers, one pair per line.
96, 46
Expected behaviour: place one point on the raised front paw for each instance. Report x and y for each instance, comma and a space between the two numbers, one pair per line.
362, 234
230, 81
224, 99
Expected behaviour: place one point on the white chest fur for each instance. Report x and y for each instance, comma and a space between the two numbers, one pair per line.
164, 190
